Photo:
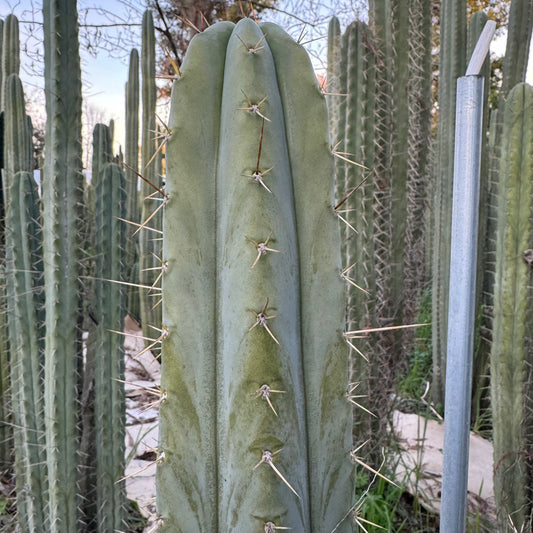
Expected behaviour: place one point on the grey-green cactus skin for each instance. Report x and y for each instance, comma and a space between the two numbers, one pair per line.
149, 241
24, 311
61, 196
211, 477
109, 409
452, 65
131, 158
511, 357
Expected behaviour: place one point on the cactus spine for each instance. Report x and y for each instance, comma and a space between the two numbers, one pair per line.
25, 306
149, 243
62, 195
109, 408
511, 357
219, 196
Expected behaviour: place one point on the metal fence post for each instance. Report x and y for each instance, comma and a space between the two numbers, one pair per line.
461, 314
461, 310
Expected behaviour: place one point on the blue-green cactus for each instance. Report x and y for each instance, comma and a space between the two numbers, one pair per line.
255, 427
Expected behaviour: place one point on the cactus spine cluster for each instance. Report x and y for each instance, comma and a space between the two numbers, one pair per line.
512, 347
254, 362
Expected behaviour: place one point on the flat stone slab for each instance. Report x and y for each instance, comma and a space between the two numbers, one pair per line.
420, 465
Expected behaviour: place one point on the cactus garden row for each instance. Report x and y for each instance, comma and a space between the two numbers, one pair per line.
276, 260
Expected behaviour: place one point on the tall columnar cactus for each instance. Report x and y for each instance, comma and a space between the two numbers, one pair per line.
102, 152
513, 71
380, 15
10, 53
25, 311
355, 136
149, 241
132, 180
419, 152
109, 409
62, 195
384, 124
101, 156
516, 51
452, 65
333, 76
5, 428
255, 424
511, 356
403, 102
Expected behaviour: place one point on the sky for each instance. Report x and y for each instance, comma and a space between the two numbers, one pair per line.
104, 75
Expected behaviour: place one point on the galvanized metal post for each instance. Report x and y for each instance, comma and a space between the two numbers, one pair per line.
461, 314
461, 310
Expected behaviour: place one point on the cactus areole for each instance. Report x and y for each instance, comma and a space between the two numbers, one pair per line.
255, 428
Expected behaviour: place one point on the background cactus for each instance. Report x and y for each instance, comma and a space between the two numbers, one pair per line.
6, 443
512, 354
109, 407
452, 65
333, 75
387, 131
513, 72
131, 158
238, 353
10, 53
62, 195
25, 310
355, 136
149, 242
